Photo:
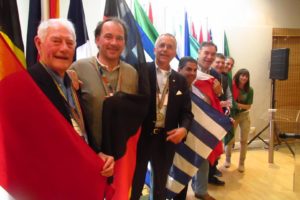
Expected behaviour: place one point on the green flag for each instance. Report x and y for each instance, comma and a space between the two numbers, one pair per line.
226, 47
230, 134
194, 47
144, 22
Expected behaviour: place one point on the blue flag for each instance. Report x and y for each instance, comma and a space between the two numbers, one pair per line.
76, 15
134, 51
33, 23
187, 51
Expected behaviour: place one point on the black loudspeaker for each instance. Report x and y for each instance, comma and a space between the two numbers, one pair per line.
279, 64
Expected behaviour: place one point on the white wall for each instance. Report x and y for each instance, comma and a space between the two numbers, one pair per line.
248, 25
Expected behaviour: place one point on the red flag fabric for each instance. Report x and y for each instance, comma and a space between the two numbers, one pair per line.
121, 137
41, 155
150, 15
235, 91
193, 31
125, 171
53, 8
200, 36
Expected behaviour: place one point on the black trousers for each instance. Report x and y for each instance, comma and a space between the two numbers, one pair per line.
181, 195
160, 153
213, 169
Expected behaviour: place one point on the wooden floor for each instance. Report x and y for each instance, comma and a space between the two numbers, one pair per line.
260, 180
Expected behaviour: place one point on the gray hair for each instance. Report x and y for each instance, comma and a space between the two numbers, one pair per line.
44, 25
167, 35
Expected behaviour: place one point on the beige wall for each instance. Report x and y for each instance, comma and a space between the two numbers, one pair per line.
248, 25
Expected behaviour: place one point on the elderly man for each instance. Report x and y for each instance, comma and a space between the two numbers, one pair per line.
56, 42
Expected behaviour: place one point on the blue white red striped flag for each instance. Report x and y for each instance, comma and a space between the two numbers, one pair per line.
208, 128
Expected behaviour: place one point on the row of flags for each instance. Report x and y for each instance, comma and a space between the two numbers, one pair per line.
30, 135
38, 10
45, 9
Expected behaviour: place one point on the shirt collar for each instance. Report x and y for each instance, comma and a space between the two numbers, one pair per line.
65, 81
203, 70
106, 67
165, 72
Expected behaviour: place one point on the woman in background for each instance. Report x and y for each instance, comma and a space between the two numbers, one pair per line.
243, 98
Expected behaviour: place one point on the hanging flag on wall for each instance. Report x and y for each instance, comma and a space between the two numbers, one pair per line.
187, 51
38, 10
77, 16
147, 31
150, 13
53, 8
181, 33
200, 36
209, 36
194, 47
226, 47
134, 52
193, 31
11, 38
230, 134
33, 23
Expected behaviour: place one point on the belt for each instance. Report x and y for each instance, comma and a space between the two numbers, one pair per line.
158, 130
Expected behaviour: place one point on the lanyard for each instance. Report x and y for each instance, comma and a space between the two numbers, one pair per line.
75, 113
160, 101
108, 88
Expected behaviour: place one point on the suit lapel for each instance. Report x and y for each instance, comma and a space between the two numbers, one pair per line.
172, 83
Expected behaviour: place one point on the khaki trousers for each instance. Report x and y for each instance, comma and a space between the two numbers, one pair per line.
243, 121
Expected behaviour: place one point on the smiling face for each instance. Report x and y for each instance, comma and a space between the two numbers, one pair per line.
189, 71
206, 56
219, 64
57, 49
243, 79
228, 65
111, 42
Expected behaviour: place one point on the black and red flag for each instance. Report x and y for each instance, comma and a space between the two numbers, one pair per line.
41, 155
126, 111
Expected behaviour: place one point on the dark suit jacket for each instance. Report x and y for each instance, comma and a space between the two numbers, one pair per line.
178, 113
46, 84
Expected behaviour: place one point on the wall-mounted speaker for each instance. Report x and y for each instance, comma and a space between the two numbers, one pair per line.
279, 64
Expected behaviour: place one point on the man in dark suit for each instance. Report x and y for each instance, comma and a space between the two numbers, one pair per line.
167, 122
56, 42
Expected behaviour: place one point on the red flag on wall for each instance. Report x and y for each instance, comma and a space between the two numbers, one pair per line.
193, 31
200, 36
150, 15
53, 8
